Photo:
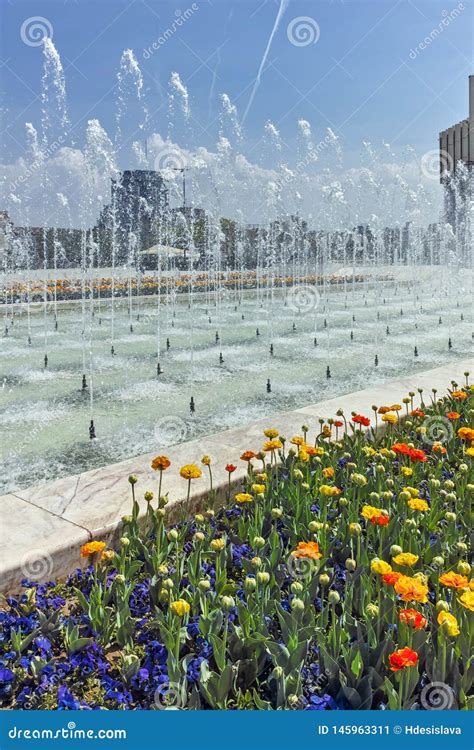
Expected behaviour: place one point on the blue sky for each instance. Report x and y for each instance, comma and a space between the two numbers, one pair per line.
361, 77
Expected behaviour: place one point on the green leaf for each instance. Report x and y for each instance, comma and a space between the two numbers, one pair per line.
357, 665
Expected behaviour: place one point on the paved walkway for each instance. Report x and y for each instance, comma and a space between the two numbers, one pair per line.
42, 527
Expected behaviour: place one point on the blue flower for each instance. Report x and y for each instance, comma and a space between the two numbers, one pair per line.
67, 700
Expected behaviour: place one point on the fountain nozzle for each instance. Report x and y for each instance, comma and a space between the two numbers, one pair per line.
221, 358
84, 383
415, 352
376, 361
328, 372
45, 360
450, 343
158, 369
271, 350
269, 386
92, 434
192, 406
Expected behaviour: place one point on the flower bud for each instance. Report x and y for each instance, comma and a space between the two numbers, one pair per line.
305, 486
127, 519
435, 483
334, 598
277, 513
199, 536
204, 585
162, 570
256, 562
298, 474
405, 496
160, 512
199, 518
442, 606
217, 545
463, 468
148, 496
162, 501
395, 549
250, 584
296, 587
351, 564
125, 541
258, 541
227, 603
324, 579
374, 496
438, 561
293, 700
172, 535
464, 568
133, 479
297, 604
263, 577
389, 482
343, 501
451, 517
168, 583
355, 529
209, 513
410, 523
448, 484
372, 610
119, 578
461, 546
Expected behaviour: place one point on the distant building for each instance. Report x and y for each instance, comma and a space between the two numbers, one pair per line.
456, 158
139, 199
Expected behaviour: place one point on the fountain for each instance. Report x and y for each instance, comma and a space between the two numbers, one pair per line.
200, 290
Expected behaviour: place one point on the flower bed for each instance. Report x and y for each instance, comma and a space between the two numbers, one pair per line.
335, 578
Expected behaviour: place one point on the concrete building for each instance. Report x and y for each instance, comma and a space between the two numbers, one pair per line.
457, 142
456, 162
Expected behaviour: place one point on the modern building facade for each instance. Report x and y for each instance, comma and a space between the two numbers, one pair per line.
456, 160
456, 144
